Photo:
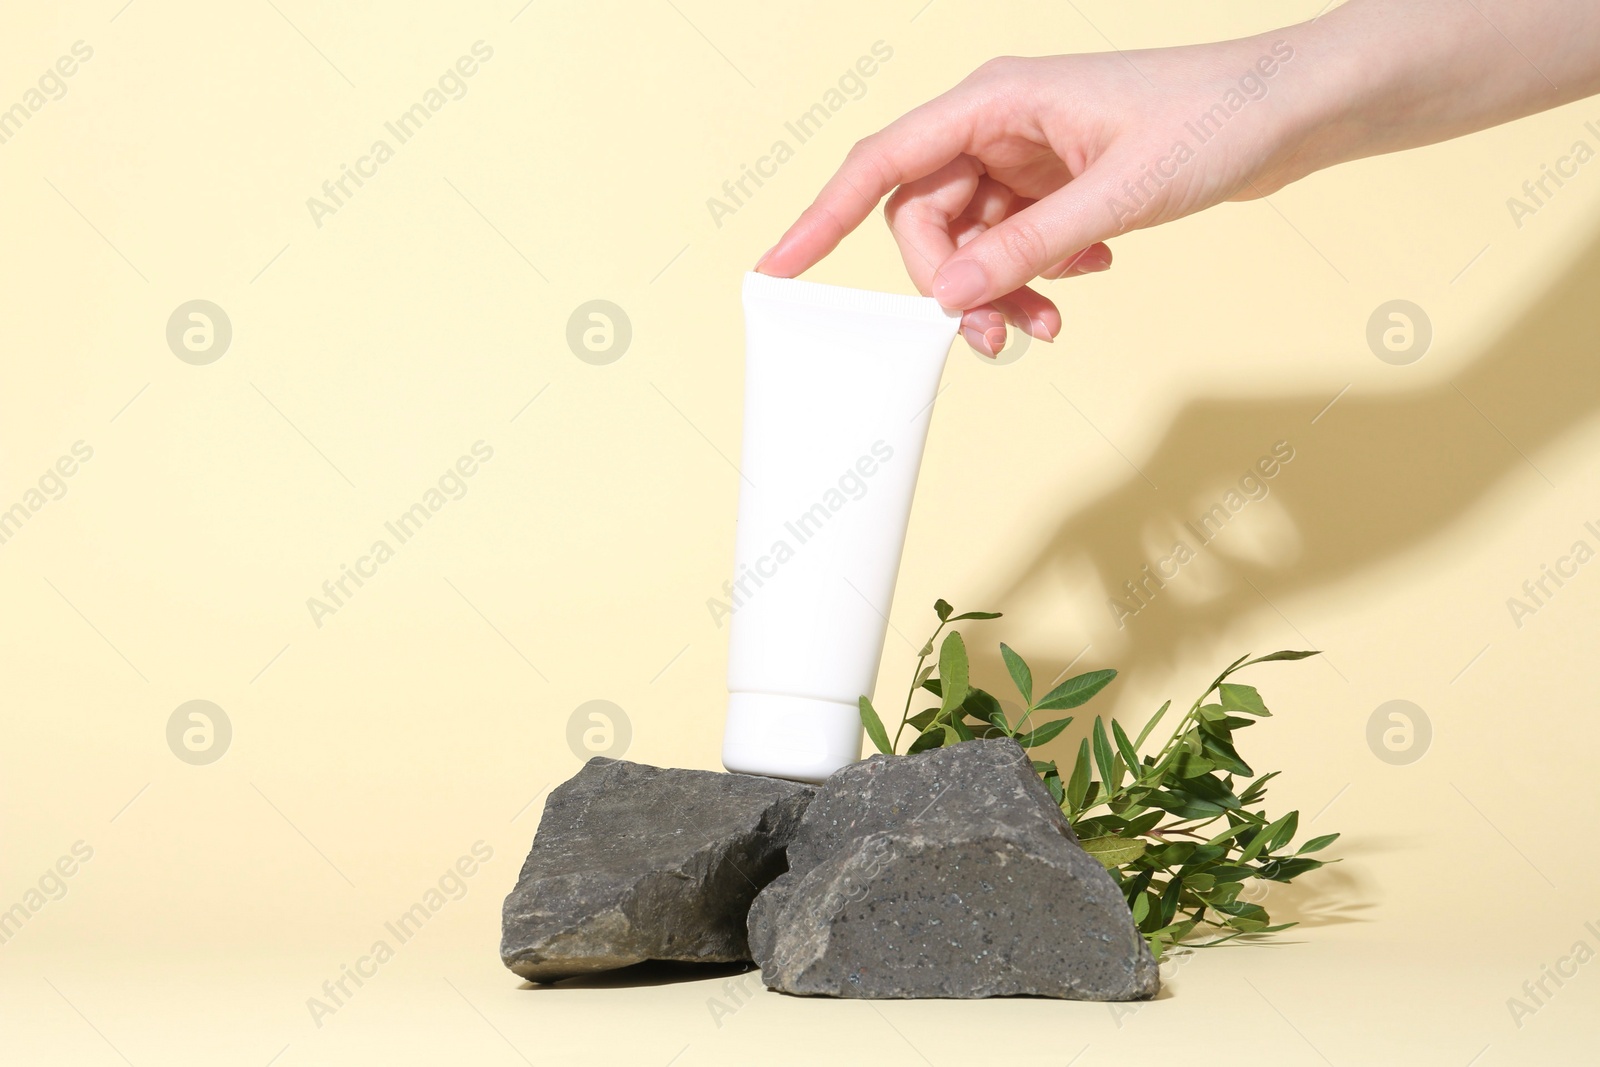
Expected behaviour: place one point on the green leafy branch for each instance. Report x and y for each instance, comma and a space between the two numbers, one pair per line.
1176, 829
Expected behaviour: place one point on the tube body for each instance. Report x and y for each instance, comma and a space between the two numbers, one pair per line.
839, 389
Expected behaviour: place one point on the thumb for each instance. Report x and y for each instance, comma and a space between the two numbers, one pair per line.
1012, 253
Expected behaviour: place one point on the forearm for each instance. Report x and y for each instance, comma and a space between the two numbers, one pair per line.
1384, 75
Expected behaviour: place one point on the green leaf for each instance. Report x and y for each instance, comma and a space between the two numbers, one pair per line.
1223, 725
1210, 788
952, 673
1057, 793
1130, 755
1172, 934
874, 726
985, 708
1286, 870
1261, 841
1078, 784
1100, 826
1102, 752
1151, 725
1229, 834
1144, 823
1225, 892
1169, 900
932, 685
1020, 674
1258, 788
1172, 853
1039, 735
928, 739
1238, 907
919, 722
1188, 765
1241, 913
1204, 854
1230, 668
1152, 920
1243, 698
1282, 655
1075, 691
1185, 806
942, 608
1113, 851
976, 615
1131, 804
1286, 832
1317, 844
1221, 753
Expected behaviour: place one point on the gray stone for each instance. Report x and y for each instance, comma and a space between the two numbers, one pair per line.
635, 863
951, 873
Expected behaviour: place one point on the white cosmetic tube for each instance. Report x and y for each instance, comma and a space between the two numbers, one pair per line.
839, 388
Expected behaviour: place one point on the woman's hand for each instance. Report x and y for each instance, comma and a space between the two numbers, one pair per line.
1027, 167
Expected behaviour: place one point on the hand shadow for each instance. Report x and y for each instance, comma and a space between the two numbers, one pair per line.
1372, 478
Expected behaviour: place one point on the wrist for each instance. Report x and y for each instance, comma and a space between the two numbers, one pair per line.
1322, 110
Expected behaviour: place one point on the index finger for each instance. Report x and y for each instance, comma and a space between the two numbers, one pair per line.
913, 146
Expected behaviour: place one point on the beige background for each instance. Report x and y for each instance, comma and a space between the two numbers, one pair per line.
430, 712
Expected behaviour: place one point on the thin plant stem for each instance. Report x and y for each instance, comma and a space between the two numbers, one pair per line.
915, 684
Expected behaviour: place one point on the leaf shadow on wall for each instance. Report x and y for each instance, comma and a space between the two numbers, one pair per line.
1373, 478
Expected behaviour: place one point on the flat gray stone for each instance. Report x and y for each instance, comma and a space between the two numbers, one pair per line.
634, 863
951, 873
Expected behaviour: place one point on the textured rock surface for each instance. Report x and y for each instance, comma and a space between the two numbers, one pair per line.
635, 863
951, 873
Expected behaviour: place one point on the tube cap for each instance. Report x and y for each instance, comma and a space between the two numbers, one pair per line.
799, 738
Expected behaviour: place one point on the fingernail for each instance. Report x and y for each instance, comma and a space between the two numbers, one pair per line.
959, 285
767, 255
1095, 266
1039, 331
996, 336
979, 341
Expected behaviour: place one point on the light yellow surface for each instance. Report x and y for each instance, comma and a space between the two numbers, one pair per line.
430, 711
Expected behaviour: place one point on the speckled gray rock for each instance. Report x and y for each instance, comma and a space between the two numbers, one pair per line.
951, 873
635, 863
